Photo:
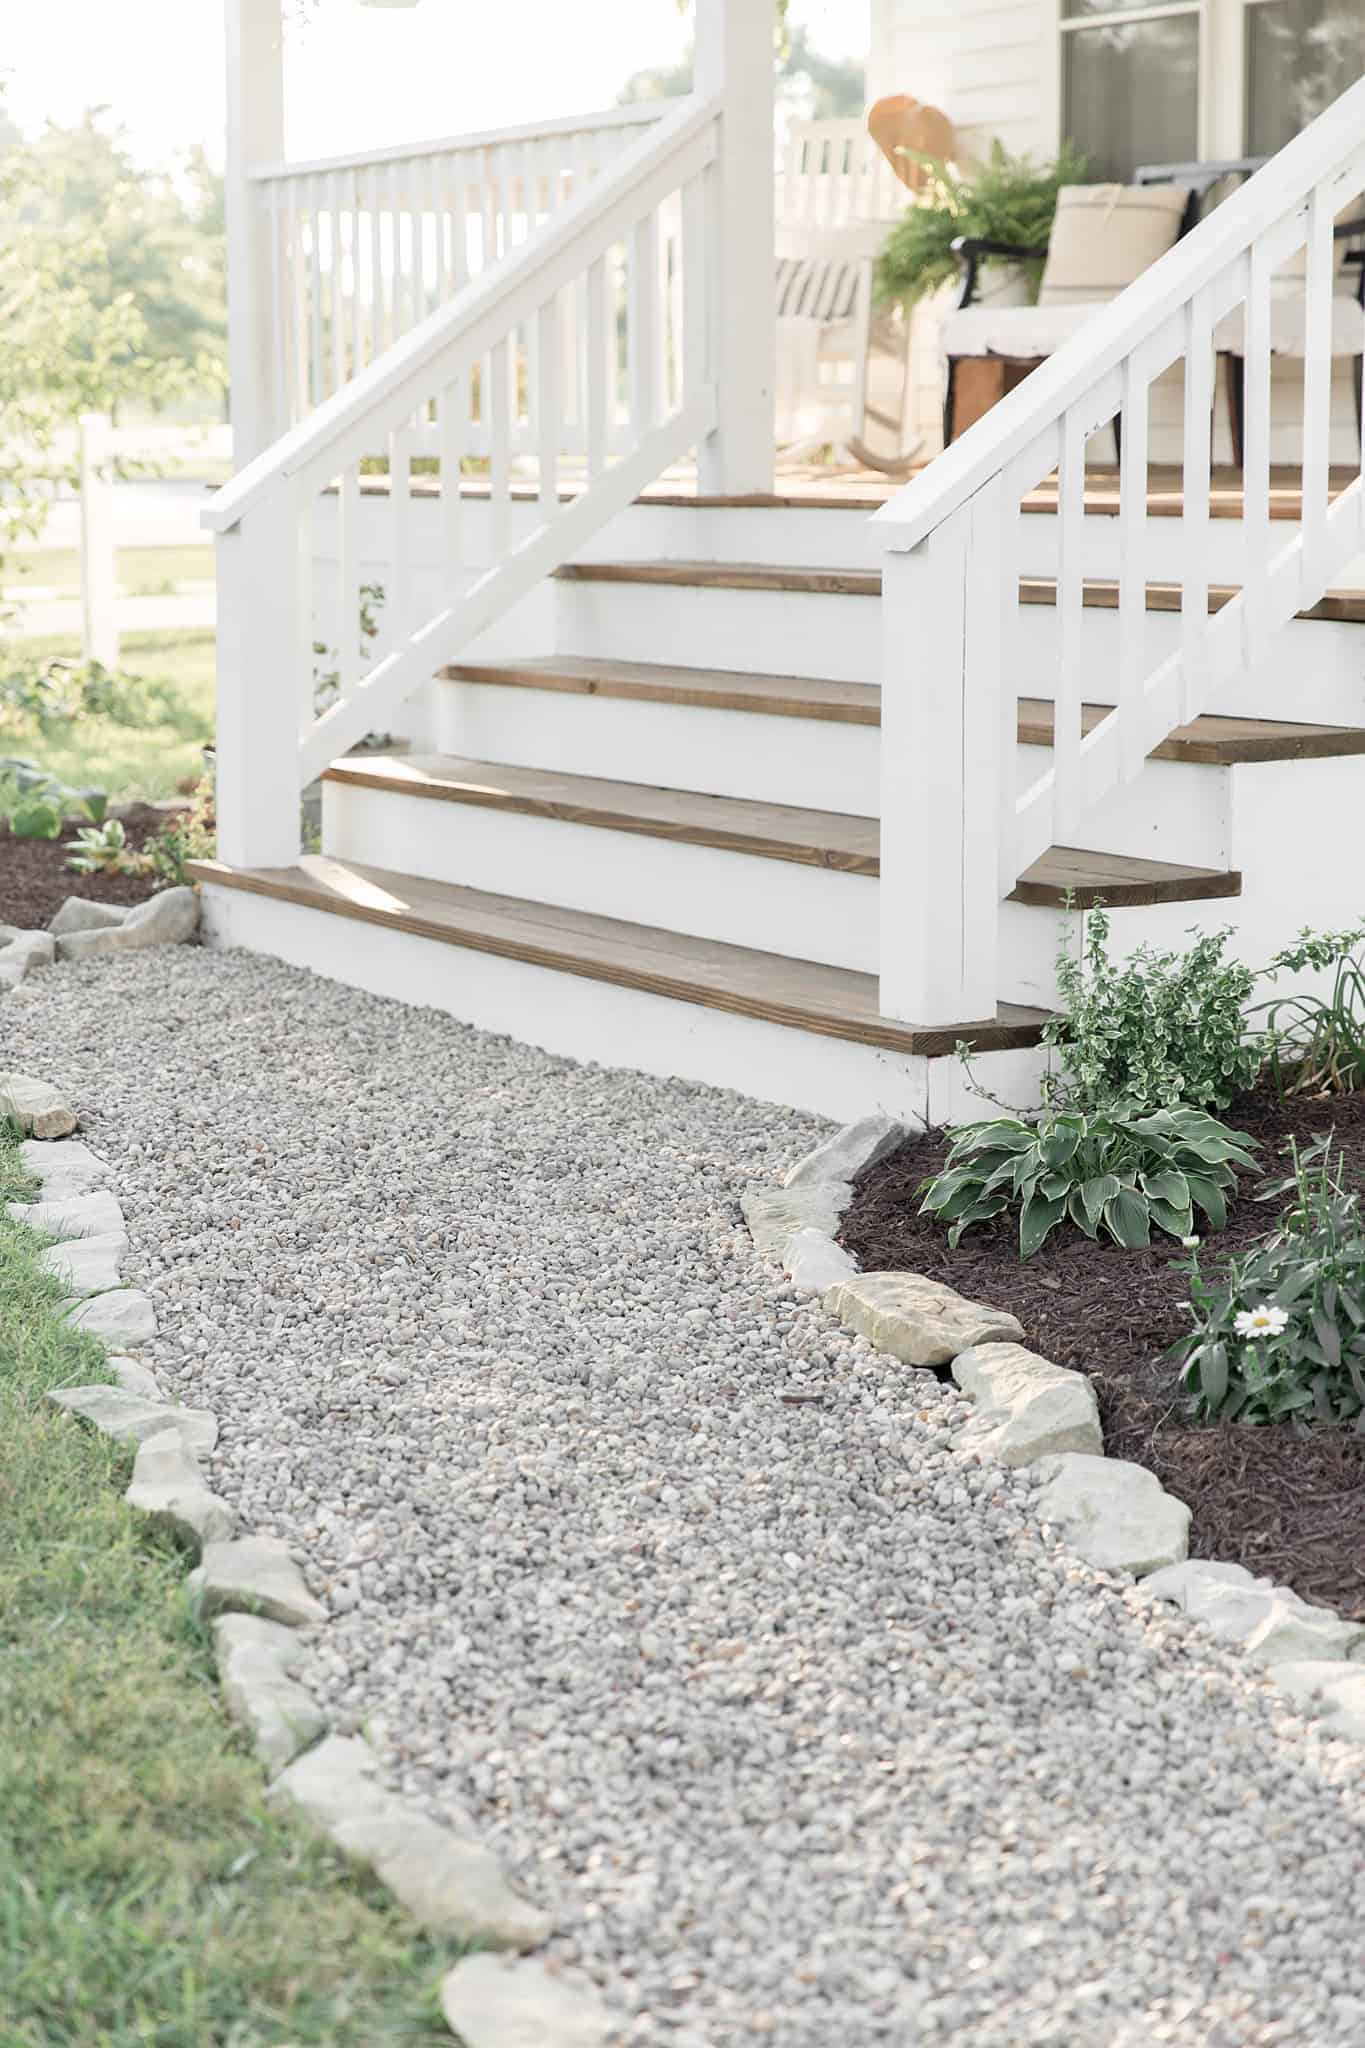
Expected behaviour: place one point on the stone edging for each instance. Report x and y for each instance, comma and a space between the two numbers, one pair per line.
1029, 1412
251, 1593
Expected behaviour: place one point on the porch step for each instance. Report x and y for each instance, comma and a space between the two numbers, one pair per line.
831, 1002
820, 839
1211, 741
1342, 607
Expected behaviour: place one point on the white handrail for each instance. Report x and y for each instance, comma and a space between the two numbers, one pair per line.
639, 114
1112, 334
652, 161
949, 803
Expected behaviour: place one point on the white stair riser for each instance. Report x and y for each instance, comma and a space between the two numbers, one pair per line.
773, 906
1175, 811
592, 1020
812, 763
811, 537
1312, 671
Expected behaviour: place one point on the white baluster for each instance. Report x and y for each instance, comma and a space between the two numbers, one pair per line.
398, 607
600, 391
357, 301
1194, 522
501, 384
278, 412
316, 391
695, 368
642, 331
1133, 537
1066, 732
454, 422
348, 580
1256, 452
262, 623
334, 297
1000, 564
547, 405
1317, 388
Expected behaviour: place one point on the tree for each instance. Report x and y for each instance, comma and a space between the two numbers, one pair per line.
813, 87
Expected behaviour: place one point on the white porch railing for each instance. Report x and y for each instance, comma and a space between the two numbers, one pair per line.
362, 248
495, 353
951, 571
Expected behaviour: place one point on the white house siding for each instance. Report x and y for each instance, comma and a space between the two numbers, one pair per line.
991, 65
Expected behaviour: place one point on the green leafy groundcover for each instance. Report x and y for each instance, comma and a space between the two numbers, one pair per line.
1116, 1171
147, 1898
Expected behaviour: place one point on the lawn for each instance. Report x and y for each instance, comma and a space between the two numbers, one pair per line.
150, 759
140, 572
147, 1899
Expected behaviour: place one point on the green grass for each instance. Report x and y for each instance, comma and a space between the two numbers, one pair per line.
147, 1899
127, 761
140, 572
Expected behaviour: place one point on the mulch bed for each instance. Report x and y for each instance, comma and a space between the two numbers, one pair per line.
1285, 1502
35, 880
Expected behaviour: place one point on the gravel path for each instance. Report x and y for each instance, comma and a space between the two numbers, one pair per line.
792, 1720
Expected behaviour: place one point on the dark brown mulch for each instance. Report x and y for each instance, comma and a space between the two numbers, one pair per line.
1287, 1503
35, 880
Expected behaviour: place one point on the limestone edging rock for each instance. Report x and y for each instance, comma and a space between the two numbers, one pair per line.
166, 919
1270, 1622
36, 1106
257, 1660
916, 1319
1026, 1407
131, 1419
168, 1485
62, 1171
93, 1214
124, 1315
253, 1575
1117, 1516
493, 2002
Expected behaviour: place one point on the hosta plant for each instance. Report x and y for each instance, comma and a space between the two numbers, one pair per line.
102, 850
1116, 1173
1280, 1331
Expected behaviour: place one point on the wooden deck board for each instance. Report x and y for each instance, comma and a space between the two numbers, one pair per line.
829, 1001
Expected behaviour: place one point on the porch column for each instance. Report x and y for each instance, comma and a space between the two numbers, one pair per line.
255, 135
735, 55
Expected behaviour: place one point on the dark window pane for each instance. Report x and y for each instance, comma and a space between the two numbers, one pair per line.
1131, 94
1301, 55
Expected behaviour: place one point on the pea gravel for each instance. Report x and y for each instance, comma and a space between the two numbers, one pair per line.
796, 1723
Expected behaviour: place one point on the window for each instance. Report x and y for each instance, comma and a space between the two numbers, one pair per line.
1300, 56
1130, 82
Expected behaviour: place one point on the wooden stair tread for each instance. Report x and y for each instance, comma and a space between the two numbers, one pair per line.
1215, 740
660, 683
1345, 607
833, 1002
824, 839
827, 839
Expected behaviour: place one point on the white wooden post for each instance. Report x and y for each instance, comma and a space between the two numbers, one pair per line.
940, 783
99, 627
735, 55
255, 136
260, 641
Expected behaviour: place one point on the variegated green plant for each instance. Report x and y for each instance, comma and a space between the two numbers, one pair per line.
1115, 1172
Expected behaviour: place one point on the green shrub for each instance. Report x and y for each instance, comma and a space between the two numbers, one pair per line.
186, 836
1006, 199
59, 691
36, 818
1119, 1171
1280, 1332
1160, 1029
1316, 1044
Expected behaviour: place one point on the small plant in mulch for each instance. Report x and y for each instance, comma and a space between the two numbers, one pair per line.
188, 835
1117, 1171
1280, 1331
103, 850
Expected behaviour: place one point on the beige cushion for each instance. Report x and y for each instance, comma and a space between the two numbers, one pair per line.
1023, 333
1105, 236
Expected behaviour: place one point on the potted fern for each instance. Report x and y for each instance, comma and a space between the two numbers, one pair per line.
1007, 199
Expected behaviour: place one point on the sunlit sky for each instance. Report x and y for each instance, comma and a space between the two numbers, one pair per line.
359, 77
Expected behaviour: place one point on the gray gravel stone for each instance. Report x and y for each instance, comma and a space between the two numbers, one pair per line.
256, 1663
1271, 1623
166, 919
491, 2002
92, 1215
1026, 1407
253, 1575
63, 1170
1118, 1516
919, 1321
791, 1718
1329, 1687
813, 1262
86, 1265
36, 1106
123, 1316
168, 1484
449, 1884
848, 1152
77, 914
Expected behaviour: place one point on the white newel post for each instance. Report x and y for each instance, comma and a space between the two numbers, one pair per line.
735, 56
941, 739
264, 671
255, 136
99, 626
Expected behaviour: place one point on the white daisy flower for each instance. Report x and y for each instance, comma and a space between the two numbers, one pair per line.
1263, 1321
1189, 1243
